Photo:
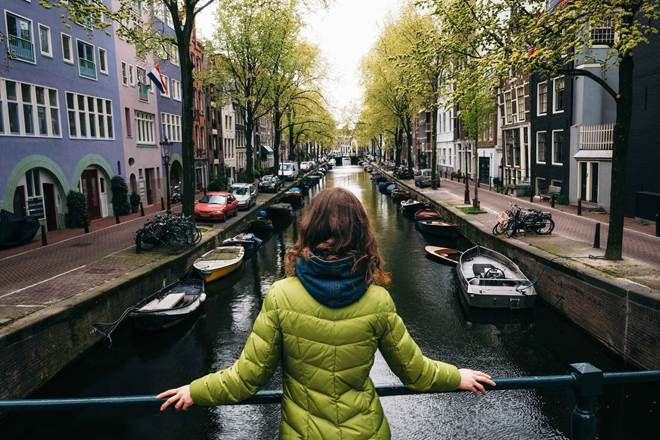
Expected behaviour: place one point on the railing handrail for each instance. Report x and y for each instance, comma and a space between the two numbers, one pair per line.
596, 136
275, 396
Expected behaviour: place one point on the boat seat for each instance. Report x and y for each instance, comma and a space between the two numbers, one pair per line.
169, 301
480, 269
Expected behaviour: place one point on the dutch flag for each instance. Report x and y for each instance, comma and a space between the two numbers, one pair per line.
158, 79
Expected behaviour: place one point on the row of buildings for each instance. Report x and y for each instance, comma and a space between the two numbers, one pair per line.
77, 108
555, 134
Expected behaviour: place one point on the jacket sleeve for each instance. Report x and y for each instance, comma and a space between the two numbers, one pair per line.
252, 370
406, 360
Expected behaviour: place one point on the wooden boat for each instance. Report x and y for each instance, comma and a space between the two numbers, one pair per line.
280, 214
437, 228
411, 206
250, 242
382, 185
443, 255
427, 214
170, 305
219, 262
399, 194
488, 279
260, 227
390, 187
293, 197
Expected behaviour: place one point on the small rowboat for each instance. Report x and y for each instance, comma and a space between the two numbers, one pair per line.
293, 197
443, 255
280, 214
437, 229
410, 207
250, 242
170, 305
488, 279
219, 262
427, 214
399, 194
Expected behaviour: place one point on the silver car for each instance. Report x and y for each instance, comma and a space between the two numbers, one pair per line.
245, 193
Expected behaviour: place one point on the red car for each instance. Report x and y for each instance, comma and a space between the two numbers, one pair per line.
216, 206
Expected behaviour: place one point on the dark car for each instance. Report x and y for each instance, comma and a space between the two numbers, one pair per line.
403, 173
270, 183
423, 178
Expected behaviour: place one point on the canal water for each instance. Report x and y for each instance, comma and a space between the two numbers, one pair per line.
426, 297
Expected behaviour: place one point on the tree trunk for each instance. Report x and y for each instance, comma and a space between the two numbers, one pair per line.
434, 153
409, 141
187, 154
614, 249
398, 140
291, 142
475, 169
249, 128
277, 121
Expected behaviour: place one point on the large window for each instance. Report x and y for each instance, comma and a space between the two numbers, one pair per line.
602, 34
557, 144
45, 44
144, 123
86, 60
558, 92
542, 98
540, 147
67, 48
171, 126
508, 107
89, 117
20, 37
30, 110
520, 102
176, 90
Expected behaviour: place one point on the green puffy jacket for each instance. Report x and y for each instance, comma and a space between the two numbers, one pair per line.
326, 355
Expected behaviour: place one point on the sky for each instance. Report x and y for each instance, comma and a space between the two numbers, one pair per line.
344, 32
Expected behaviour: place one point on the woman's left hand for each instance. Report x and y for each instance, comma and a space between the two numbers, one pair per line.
179, 396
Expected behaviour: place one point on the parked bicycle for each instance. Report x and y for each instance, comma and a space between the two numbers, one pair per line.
517, 219
175, 231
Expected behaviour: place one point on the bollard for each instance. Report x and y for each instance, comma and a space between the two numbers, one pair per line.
587, 388
162, 203
597, 237
552, 201
141, 210
117, 221
138, 243
44, 239
86, 226
531, 198
657, 225
579, 207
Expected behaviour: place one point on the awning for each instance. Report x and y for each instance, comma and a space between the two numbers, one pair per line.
265, 149
594, 154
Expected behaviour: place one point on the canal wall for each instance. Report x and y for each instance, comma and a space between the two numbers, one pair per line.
621, 314
35, 348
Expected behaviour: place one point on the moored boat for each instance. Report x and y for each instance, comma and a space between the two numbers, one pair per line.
443, 255
280, 214
382, 185
399, 194
170, 305
260, 227
410, 207
219, 262
488, 279
437, 228
250, 242
427, 214
293, 197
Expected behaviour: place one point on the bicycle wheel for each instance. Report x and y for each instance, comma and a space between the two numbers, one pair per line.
547, 228
499, 228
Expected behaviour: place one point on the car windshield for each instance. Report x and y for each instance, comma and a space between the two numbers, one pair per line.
240, 190
214, 200
426, 173
266, 179
287, 167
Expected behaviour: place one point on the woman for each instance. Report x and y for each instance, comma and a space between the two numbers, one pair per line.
324, 323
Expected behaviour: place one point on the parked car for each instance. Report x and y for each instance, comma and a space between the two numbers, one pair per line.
288, 170
218, 205
245, 193
423, 178
305, 166
270, 183
403, 173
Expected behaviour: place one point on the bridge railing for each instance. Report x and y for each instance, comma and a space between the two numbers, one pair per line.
584, 379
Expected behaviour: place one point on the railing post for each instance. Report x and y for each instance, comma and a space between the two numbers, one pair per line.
597, 236
117, 221
141, 209
552, 200
44, 238
579, 212
657, 225
587, 388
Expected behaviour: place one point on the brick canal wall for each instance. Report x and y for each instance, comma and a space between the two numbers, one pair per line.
35, 348
623, 315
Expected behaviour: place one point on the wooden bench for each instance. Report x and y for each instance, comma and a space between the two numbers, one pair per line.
552, 190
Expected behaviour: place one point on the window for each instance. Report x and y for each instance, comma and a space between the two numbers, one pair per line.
540, 147
103, 61
143, 85
176, 90
45, 43
31, 110
558, 92
124, 73
520, 100
86, 60
557, 183
542, 98
602, 34
67, 49
127, 117
174, 55
144, 123
19, 37
166, 93
171, 126
557, 144
131, 75
508, 107
89, 117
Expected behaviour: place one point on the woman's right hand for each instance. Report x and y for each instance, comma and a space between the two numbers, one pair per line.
471, 380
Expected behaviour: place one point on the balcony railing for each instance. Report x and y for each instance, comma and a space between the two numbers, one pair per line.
87, 68
596, 137
585, 380
21, 48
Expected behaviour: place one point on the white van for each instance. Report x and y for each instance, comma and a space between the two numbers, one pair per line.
288, 170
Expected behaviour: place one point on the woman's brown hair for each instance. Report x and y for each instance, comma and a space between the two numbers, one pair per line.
334, 226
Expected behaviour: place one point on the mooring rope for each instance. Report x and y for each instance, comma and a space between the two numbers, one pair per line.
547, 263
114, 325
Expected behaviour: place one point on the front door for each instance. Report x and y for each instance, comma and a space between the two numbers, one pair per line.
90, 184
51, 212
19, 201
149, 175
484, 169
583, 180
594, 181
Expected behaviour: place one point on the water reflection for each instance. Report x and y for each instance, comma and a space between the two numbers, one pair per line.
426, 297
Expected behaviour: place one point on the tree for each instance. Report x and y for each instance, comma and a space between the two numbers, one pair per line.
524, 34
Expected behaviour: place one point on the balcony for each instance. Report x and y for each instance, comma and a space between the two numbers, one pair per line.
596, 137
21, 48
87, 68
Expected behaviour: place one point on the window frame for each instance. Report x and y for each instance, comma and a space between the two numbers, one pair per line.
86, 113
538, 98
545, 147
20, 111
552, 157
70, 60
105, 71
123, 73
554, 94
48, 54
140, 139
34, 55
93, 51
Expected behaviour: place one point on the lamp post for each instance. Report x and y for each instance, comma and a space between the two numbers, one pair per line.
165, 147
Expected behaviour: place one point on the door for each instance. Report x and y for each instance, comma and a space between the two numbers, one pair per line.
583, 180
594, 182
149, 175
90, 186
19, 201
51, 211
484, 169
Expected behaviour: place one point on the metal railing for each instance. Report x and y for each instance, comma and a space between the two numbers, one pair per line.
585, 380
87, 68
21, 48
596, 137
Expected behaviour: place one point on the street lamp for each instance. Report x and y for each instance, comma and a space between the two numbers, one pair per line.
165, 149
